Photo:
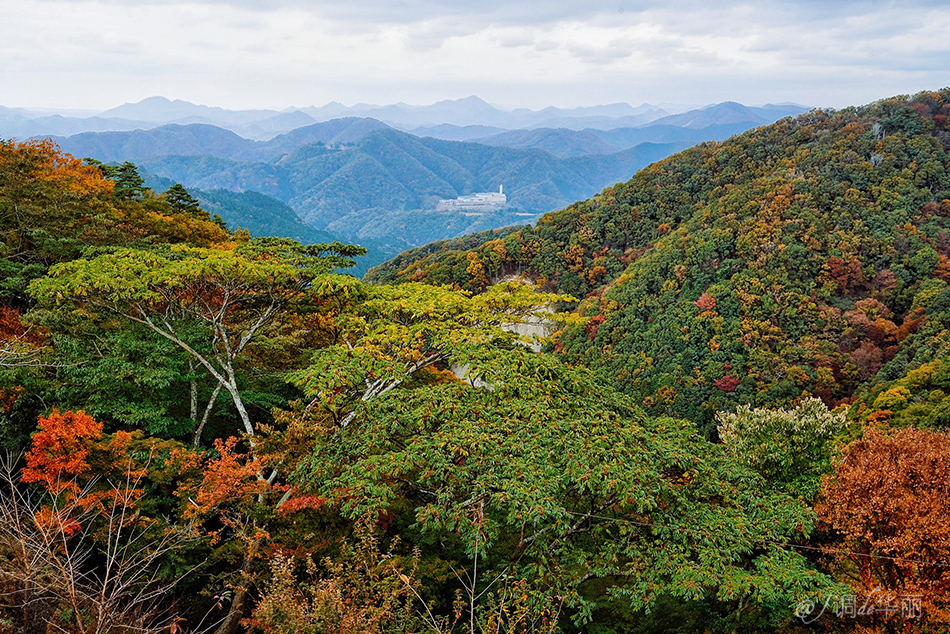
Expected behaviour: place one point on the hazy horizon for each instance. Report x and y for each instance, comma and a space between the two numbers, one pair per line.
98, 54
672, 107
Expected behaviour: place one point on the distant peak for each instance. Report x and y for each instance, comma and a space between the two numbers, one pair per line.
470, 100
785, 105
156, 99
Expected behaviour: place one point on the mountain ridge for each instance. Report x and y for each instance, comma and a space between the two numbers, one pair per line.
263, 124
806, 257
335, 173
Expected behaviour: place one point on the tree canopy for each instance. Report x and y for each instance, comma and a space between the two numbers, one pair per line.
713, 399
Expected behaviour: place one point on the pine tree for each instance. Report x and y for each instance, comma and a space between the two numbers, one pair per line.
183, 202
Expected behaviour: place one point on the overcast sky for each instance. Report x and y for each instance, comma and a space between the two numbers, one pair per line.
88, 54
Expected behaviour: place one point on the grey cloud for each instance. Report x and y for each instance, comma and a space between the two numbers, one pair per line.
891, 39
431, 35
515, 41
684, 16
425, 43
409, 11
693, 42
545, 45
603, 54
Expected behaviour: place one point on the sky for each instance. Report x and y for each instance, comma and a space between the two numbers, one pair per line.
239, 54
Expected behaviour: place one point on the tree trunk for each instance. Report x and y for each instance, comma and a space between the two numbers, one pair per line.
239, 404
194, 392
207, 414
232, 621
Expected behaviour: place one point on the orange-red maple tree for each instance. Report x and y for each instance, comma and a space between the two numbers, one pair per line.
889, 499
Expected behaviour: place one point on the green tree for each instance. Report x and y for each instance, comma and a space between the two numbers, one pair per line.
790, 448
129, 184
546, 476
182, 202
211, 303
527, 471
388, 334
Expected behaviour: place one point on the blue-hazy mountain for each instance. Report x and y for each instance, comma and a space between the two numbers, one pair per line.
450, 132
712, 123
263, 124
428, 120
560, 142
162, 110
365, 178
361, 180
206, 140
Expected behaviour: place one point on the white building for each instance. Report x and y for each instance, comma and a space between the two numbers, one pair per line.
481, 201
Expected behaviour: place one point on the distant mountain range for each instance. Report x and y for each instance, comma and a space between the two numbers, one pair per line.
357, 173
422, 120
360, 179
199, 139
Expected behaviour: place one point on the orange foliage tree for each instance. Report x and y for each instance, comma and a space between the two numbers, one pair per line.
49, 204
18, 343
231, 496
60, 449
889, 499
52, 206
88, 474
81, 553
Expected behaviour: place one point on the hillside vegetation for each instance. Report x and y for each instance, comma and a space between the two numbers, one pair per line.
210, 432
197, 410
804, 257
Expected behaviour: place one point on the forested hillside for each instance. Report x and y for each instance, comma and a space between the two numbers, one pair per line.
805, 257
202, 413
358, 179
209, 432
259, 214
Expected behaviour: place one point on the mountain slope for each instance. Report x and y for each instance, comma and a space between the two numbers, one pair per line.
259, 214
560, 142
184, 140
262, 215
728, 112
197, 139
713, 123
449, 132
663, 133
333, 132
388, 184
810, 256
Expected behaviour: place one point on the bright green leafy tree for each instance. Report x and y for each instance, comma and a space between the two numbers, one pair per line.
545, 476
210, 303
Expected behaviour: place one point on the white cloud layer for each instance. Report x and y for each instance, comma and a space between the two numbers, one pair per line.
266, 53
